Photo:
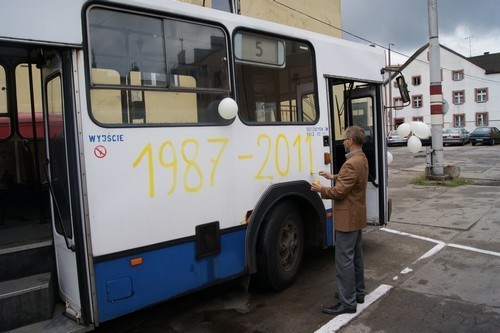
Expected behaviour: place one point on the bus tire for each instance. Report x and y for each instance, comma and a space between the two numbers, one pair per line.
280, 247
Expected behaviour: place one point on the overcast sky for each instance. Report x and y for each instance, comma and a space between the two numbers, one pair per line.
405, 24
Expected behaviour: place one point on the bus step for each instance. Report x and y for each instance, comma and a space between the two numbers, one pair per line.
26, 300
24, 260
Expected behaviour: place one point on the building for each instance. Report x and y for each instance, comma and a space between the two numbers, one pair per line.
322, 16
471, 90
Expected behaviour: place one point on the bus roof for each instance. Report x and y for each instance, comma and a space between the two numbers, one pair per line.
58, 22
43, 22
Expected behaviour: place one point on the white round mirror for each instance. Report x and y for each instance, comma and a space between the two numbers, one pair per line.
228, 108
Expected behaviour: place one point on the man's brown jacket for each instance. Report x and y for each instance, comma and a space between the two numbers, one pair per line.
349, 194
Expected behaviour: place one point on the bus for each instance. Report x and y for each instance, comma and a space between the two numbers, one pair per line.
149, 149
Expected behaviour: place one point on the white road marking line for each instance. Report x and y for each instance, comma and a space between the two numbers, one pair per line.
341, 320
440, 244
431, 252
402, 233
406, 270
473, 249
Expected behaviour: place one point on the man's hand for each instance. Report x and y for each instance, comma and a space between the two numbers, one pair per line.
327, 175
316, 187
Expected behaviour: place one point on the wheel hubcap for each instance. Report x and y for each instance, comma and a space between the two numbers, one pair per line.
289, 244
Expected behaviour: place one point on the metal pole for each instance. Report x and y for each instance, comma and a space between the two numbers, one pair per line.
391, 122
436, 93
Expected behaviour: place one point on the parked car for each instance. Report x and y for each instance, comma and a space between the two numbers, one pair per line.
456, 136
490, 135
394, 139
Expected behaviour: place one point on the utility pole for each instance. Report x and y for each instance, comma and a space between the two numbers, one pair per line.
391, 123
436, 93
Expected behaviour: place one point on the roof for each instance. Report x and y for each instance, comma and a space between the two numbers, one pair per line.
489, 62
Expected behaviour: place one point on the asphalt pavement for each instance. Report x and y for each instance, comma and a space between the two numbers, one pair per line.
451, 239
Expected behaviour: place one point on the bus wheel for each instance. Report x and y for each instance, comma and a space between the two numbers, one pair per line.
280, 247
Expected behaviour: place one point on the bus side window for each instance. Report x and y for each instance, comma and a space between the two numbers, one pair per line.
270, 90
165, 71
106, 103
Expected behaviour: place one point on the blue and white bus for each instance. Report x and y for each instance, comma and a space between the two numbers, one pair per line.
170, 147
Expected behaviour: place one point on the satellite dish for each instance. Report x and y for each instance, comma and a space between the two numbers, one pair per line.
446, 107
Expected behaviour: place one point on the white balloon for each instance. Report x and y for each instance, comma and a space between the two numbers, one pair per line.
228, 108
414, 144
389, 157
404, 129
420, 129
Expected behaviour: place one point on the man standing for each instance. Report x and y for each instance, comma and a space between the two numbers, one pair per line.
349, 213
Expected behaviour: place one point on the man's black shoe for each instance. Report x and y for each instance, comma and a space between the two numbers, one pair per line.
359, 299
338, 309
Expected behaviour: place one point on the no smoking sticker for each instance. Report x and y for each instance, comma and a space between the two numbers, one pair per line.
100, 151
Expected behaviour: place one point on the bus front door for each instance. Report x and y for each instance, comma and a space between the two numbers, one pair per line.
358, 103
61, 169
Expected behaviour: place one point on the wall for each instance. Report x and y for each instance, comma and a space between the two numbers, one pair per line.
318, 15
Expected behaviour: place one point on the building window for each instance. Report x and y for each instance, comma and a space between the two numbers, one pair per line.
416, 80
482, 119
481, 95
417, 101
459, 97
398, 103
459, 120
420, 118
398, 121
457, 75
225, 5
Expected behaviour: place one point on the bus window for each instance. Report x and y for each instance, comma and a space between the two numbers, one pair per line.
23, 91
269, 76
4, 113
362, 116
106, 103
149, 70
353, 104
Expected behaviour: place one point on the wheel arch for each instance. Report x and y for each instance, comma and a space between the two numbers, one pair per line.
299, 192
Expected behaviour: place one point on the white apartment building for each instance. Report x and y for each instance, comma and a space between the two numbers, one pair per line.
471, 89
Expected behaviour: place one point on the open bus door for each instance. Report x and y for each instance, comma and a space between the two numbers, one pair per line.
62, 173
358, 103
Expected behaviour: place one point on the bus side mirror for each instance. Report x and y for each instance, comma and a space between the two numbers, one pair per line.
403, 89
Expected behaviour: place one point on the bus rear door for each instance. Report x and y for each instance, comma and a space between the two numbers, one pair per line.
62, 170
